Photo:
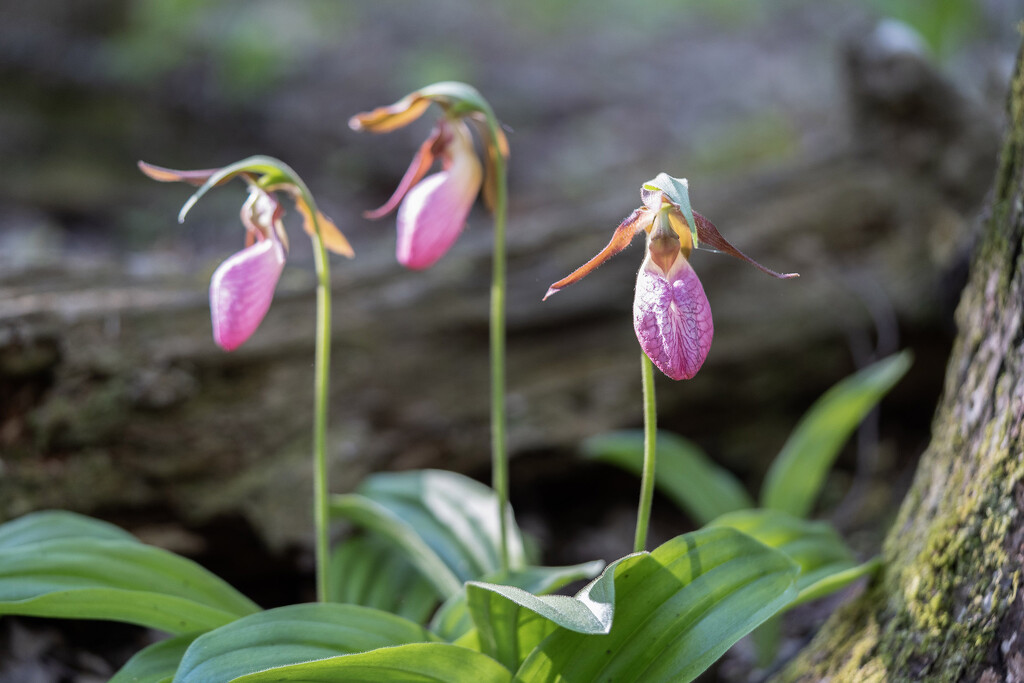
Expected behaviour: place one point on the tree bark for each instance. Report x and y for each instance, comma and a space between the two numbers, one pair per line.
949, 605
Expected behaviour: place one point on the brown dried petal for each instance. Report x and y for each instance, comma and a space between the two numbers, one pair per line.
494, 147
708, 235
639, 220
332, 238
170, 175
421, 163
386, 119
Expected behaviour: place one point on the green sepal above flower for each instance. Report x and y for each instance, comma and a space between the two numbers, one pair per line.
676, 190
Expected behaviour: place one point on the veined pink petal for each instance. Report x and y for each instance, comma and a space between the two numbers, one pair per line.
672, 318
241, 291
434, 212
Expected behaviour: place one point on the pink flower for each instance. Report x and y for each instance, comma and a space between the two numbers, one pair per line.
672, 318
671, 313
432, 209
242, 287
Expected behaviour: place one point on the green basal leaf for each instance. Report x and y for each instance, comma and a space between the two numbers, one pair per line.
369, 571
826, 563
684, 473
156, 663
767, 640
113, 579
678, 191
291, 635
446, 523
795, 478
590, 611
416, 663
48, 525
511, 622
837, 580
544, 580
369, 514
452, 621
677, 609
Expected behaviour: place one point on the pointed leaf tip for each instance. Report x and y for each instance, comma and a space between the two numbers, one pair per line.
551, 290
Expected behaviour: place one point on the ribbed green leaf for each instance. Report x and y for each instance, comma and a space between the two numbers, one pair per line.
511, 621
837, 580
293, 634
48, 525
795, 478
119, 580
767, 640
417, 663
370, 514
156, 663
369, 571
453, 621
826, 563
683, 472
677, 609
448, 524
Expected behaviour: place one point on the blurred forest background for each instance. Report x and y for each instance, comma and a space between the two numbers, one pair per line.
853, 142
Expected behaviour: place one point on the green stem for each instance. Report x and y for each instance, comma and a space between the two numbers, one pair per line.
320, 392
643, 512
499, 447
321, 386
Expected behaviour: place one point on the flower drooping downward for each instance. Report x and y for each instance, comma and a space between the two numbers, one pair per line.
432, 209
242, 287
671, 313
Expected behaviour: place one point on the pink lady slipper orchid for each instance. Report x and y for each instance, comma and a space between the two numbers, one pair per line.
671, 313
432, 209
242, 287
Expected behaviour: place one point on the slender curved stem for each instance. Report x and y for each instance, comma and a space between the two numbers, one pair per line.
499, 447
320, 390
643, 513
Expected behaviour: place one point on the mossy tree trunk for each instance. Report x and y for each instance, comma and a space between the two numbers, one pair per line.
950, 603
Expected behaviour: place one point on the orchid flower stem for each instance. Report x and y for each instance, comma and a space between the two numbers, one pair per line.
321, 392
321, 519
499, 446
643, 513
320, 389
